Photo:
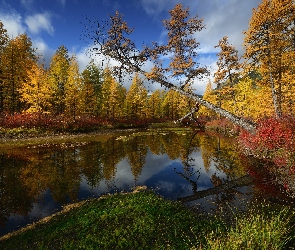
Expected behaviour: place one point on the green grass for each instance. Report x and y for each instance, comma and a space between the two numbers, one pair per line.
143, 220
139, 220
264, 226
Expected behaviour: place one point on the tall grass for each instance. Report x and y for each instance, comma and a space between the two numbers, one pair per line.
264, 226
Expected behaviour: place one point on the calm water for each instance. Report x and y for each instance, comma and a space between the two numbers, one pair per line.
203, 171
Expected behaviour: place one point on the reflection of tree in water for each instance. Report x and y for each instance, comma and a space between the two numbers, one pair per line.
216, 151
266, 184
153, 142
14, 196
91, 164
60, 167
207, 151
223, 153
64, 175
112, 154
136, 151
171, 143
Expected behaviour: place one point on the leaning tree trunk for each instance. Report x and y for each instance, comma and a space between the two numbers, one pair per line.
240, 182
245, 124
119, 47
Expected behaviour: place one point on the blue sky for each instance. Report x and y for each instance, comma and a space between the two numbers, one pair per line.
58, 22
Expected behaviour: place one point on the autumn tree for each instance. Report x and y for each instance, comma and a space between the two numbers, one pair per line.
171, 105
58, 76
228, 71
155, 100
270, 46
209, 96
92, 78
35, 92
105, 93
112, 96
113, 41
18, 58
136, 99
252, 99
4, 39
72, 89
116, 99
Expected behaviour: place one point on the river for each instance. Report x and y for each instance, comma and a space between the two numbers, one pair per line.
205, 171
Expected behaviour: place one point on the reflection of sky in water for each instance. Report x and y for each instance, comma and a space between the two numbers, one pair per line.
159, 173
167, 177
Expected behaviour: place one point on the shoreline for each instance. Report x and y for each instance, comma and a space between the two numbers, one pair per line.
65, 209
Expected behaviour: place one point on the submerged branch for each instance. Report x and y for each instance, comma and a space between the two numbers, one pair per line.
240, 182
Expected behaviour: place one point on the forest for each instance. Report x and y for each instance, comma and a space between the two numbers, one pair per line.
250, 97
246, 89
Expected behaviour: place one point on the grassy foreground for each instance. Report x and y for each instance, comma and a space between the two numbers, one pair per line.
143, 220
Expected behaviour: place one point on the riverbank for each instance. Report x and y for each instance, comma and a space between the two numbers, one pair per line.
34, 136
143, 220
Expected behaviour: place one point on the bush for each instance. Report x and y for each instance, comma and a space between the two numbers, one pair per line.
61, 123
223, 125
274, 140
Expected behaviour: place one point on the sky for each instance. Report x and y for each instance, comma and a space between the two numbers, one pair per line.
53, 23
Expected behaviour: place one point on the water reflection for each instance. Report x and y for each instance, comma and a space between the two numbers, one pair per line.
203, 170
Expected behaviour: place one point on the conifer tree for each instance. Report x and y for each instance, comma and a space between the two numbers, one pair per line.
4, 39
210, 96
73, 87
269, 43
18, 58
136, 99
35, 92
92, 83
105, 110
58, 76
227, 73
155, 104
116, 99
171, 105
182, 48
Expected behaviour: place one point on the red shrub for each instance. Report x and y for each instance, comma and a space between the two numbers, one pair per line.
274, 140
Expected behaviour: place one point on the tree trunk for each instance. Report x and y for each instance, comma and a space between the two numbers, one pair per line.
245, 124
240, 182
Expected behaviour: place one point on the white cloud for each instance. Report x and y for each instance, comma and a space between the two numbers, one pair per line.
27, 3
12, 22
43, 50
154, 7
82, 57
228, 19
38, 22
221, 18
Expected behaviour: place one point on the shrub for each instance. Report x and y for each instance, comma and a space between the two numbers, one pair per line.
274, 140
223, 125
